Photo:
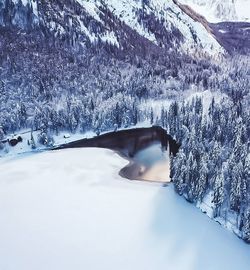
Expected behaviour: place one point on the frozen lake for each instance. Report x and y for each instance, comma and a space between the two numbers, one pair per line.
70, 209
150, 164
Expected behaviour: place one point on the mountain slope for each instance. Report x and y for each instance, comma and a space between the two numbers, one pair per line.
160, 22
219, 11
233, 36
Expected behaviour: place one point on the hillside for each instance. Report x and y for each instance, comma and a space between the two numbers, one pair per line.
159, 22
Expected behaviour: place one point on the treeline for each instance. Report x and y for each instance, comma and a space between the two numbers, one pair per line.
51, 86
213, 165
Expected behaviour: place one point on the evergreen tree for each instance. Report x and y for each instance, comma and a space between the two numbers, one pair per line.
236, 187
218, 193
246, 225
32, 141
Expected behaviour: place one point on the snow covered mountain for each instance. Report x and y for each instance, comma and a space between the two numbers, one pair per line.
119, 23
229, 21
221, 10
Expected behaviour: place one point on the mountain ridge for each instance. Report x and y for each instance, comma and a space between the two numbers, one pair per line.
216, 11
161, 23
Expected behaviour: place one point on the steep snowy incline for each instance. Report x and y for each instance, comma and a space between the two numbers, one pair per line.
171, 17
69, 210
160, 22
221, 10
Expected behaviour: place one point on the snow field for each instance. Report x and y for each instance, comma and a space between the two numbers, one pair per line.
70, 209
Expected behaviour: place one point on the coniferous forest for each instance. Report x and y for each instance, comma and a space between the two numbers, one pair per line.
51, 84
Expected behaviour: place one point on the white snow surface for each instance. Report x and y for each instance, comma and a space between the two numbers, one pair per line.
70, 209
171, 15
221, 10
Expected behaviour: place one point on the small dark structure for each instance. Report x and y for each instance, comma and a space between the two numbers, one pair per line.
128, 141
14, 142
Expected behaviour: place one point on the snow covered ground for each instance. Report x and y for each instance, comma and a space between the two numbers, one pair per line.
70, 209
